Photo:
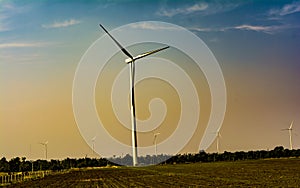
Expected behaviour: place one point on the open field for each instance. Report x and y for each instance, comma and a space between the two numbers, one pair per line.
252, 173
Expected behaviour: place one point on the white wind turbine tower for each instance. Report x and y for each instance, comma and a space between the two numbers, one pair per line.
93, 141
218, 139
155, 142
131, 63
45, 144
290, 129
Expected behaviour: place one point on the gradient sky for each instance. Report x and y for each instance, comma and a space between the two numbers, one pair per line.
256, 43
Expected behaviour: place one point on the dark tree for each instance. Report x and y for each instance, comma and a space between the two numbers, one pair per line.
14, 164
4, 165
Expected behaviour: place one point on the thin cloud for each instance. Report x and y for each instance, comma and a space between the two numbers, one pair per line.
21, 45
266, 29
201, 8
65, 23
204, 29
4, 15
152, 26
187, 10
9, 9
271, 29
286, 9
253, 28
20, 58
196, 7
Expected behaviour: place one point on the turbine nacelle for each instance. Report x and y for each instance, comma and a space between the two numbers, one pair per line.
290, 128
44, 143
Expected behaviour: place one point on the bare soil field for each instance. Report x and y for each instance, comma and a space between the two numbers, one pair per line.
254, 173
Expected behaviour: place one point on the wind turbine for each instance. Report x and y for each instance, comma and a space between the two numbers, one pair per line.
93, 141
218, 139
131, 63
290, 129
30, 155
45, 144
154, 141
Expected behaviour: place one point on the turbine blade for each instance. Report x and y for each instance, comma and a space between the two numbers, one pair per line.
145, 54
291, 125
119, 45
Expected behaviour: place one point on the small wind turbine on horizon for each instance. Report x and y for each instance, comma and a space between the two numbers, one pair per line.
155, 142
45, 144
93, 141
218, 139
290, 129
131, 63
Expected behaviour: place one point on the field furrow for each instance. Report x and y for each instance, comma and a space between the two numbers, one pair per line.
260, 173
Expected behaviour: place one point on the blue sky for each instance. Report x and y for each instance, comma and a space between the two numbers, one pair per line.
30, 24
41, 42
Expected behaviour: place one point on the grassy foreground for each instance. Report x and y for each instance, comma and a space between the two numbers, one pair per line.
254, 173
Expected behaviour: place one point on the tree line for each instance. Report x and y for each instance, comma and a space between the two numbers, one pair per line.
202, 156
18, 164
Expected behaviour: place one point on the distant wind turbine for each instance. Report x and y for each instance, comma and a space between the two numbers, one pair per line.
218, 139
290, 129
45, 144
155, 142
93, 141
131, 63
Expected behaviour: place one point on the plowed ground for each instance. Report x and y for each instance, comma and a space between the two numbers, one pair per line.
260, 173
